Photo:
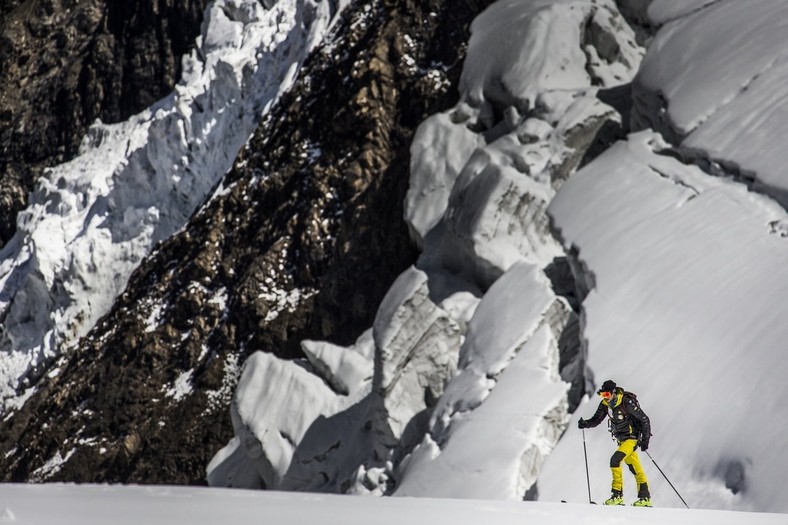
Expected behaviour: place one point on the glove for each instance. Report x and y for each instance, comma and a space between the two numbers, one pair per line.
644, 445
582, 423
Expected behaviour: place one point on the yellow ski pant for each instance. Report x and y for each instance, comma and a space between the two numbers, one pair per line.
626, 452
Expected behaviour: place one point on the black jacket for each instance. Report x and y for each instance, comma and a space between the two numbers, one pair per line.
627, 419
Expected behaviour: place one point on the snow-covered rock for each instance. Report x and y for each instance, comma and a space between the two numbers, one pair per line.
529, 105
439, 151
338, 422
91, 221
417, 343
277, 403
519, 50
496, 210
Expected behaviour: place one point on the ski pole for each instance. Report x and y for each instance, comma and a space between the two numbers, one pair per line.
588, 479
666, 479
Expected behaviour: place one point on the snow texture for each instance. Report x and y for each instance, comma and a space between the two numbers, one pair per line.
488, 436
91, 221
721, 74
131, 505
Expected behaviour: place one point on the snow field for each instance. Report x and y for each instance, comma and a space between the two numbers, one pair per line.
155, 505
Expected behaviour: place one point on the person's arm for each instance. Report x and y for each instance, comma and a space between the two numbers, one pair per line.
596, 419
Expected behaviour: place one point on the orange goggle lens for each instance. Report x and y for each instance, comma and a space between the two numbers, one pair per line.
606, 395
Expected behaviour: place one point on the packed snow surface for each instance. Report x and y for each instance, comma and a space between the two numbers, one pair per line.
132, 505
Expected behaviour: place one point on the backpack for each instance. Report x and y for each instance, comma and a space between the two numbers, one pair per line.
634, 398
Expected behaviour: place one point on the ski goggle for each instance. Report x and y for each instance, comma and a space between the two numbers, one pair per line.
605, 395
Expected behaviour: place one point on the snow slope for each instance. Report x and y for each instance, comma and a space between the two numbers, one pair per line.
131, 505
689, 287
722, 74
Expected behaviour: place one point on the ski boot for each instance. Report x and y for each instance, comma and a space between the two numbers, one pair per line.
617, 498
644, 496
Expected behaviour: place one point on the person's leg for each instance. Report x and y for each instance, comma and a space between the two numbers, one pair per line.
633, 461
625, 448
615, 468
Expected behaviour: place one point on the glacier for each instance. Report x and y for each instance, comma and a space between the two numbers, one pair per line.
478, 312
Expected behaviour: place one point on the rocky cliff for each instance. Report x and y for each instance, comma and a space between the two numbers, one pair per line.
64, 64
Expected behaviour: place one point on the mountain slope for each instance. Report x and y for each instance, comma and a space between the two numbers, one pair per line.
301, 240
65, 64
590, 189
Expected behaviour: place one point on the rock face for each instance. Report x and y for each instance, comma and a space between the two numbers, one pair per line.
302, 242
64, 64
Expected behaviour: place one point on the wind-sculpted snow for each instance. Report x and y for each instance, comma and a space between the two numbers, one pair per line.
663, 11
721, 74
482, 176
690, 287
91, 221
506, 407
319, 427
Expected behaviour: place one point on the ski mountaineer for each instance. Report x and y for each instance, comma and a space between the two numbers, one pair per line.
631, 428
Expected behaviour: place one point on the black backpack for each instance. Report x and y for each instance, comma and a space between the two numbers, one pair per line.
635, 422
